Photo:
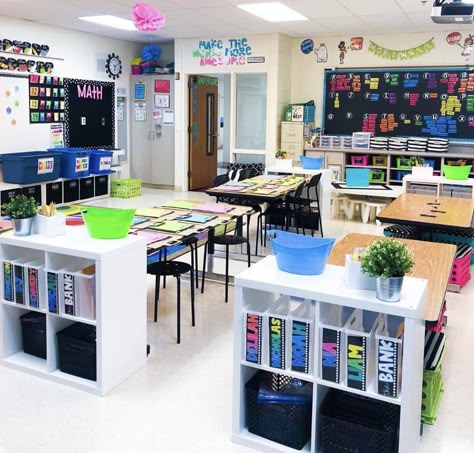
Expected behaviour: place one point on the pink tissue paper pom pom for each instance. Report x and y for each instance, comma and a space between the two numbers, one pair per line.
146, 17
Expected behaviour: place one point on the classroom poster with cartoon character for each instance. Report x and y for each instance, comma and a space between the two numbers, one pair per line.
455, 39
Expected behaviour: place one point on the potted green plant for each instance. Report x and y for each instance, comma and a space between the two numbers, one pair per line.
388, 260
283, 159
21, 210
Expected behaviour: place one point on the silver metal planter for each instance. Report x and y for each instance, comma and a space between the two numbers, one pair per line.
22, 227
389, 289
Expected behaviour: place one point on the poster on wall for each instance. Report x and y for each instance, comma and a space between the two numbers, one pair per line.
57, 136
46, 99
89, 119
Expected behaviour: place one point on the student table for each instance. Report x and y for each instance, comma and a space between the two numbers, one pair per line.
433, 262
429, 212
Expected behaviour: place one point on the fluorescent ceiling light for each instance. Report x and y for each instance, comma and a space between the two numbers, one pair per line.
110, 21
272, 11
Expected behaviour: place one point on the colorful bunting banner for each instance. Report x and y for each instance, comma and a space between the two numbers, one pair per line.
408, 54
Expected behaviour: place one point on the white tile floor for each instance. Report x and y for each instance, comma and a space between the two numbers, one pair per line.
181, 401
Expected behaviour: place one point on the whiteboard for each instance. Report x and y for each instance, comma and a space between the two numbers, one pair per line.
16, 132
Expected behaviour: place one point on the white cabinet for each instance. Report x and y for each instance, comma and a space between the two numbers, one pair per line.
115, 304
439, 185
262, 286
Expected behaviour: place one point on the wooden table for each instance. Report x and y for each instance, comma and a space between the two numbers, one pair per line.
429, 211
254, 191
433, 262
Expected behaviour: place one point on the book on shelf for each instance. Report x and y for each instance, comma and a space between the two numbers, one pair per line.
33, 287
8, 292
19, 279
69, 293
52, 281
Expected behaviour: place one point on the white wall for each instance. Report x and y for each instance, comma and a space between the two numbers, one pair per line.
80, 52
307, 73
187, 62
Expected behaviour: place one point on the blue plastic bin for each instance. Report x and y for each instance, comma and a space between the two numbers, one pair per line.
298, 254
357, 177
312, 163
101, 162
30, 167
74, 162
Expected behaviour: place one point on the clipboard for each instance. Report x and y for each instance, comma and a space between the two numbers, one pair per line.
170, 226
152, 212
196, 218
180, 204
213, 208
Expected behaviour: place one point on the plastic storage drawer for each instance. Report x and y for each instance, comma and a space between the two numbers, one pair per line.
78, 351
30, 167
74, 162
33, 331
101, 162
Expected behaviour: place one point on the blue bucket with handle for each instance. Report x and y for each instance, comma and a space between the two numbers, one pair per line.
298, 254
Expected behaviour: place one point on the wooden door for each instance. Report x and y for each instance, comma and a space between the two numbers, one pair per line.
203, 127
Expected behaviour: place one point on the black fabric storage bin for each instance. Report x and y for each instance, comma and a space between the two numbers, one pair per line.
33, 191
354, 423
8, 194
77, 351
285, 423
101, 185
86, 188
71, 190
33, 331
54, 192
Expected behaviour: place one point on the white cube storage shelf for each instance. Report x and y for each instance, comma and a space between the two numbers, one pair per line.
356, 336
46, 275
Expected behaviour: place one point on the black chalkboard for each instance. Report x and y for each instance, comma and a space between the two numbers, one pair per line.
89, 114
427, 102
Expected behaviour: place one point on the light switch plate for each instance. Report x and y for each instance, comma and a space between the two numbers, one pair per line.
83, 120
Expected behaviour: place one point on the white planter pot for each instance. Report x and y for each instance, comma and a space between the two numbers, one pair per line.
422, 172
354, 277
50, 226
284, 163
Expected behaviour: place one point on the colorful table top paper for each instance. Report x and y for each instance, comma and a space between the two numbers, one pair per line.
232, 188
180, 204
196, 218
69, 210
170, 226
153, 212
214, 208
138, 220
151, 236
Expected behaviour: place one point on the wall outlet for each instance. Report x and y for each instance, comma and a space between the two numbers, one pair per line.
83, 120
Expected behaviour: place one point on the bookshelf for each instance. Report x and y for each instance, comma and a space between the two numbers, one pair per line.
119, 298
263, 285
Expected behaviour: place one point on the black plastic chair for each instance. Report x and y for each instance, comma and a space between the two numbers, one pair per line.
308, 208
227, 240
175, 268
283, 213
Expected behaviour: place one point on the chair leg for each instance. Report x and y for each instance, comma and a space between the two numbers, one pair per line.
197, 264
193, 320
259, 233
164, 276
204, 267
248, 253
226, 273
157, 296
178, 308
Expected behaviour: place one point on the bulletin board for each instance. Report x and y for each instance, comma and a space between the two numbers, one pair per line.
89, 119
428, 102
16, 132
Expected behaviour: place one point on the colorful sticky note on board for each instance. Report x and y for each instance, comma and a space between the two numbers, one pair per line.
34, 117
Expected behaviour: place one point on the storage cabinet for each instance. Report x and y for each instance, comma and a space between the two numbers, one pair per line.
438, 185
328, 316
293, 138
75, 279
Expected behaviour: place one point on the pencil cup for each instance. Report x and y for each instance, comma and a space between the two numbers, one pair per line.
49, 226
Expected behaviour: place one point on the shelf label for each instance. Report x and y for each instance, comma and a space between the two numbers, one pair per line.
300, 333
45, 165
330, 355
387, 365
253, 338
356, 362
8, 281
276, 335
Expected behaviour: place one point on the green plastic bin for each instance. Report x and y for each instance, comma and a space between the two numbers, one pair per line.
457, 172
107, 223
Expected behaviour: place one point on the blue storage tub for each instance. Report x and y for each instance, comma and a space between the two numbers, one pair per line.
74, 162
312, 163
30, 167
101, 162
298, 254
357, 177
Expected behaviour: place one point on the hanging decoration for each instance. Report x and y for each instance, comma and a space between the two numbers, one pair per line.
151, 52
408, 54
146, 17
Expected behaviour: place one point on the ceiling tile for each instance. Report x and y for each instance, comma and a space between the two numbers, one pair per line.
347, 26
358, 7
394, 23
415, 6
